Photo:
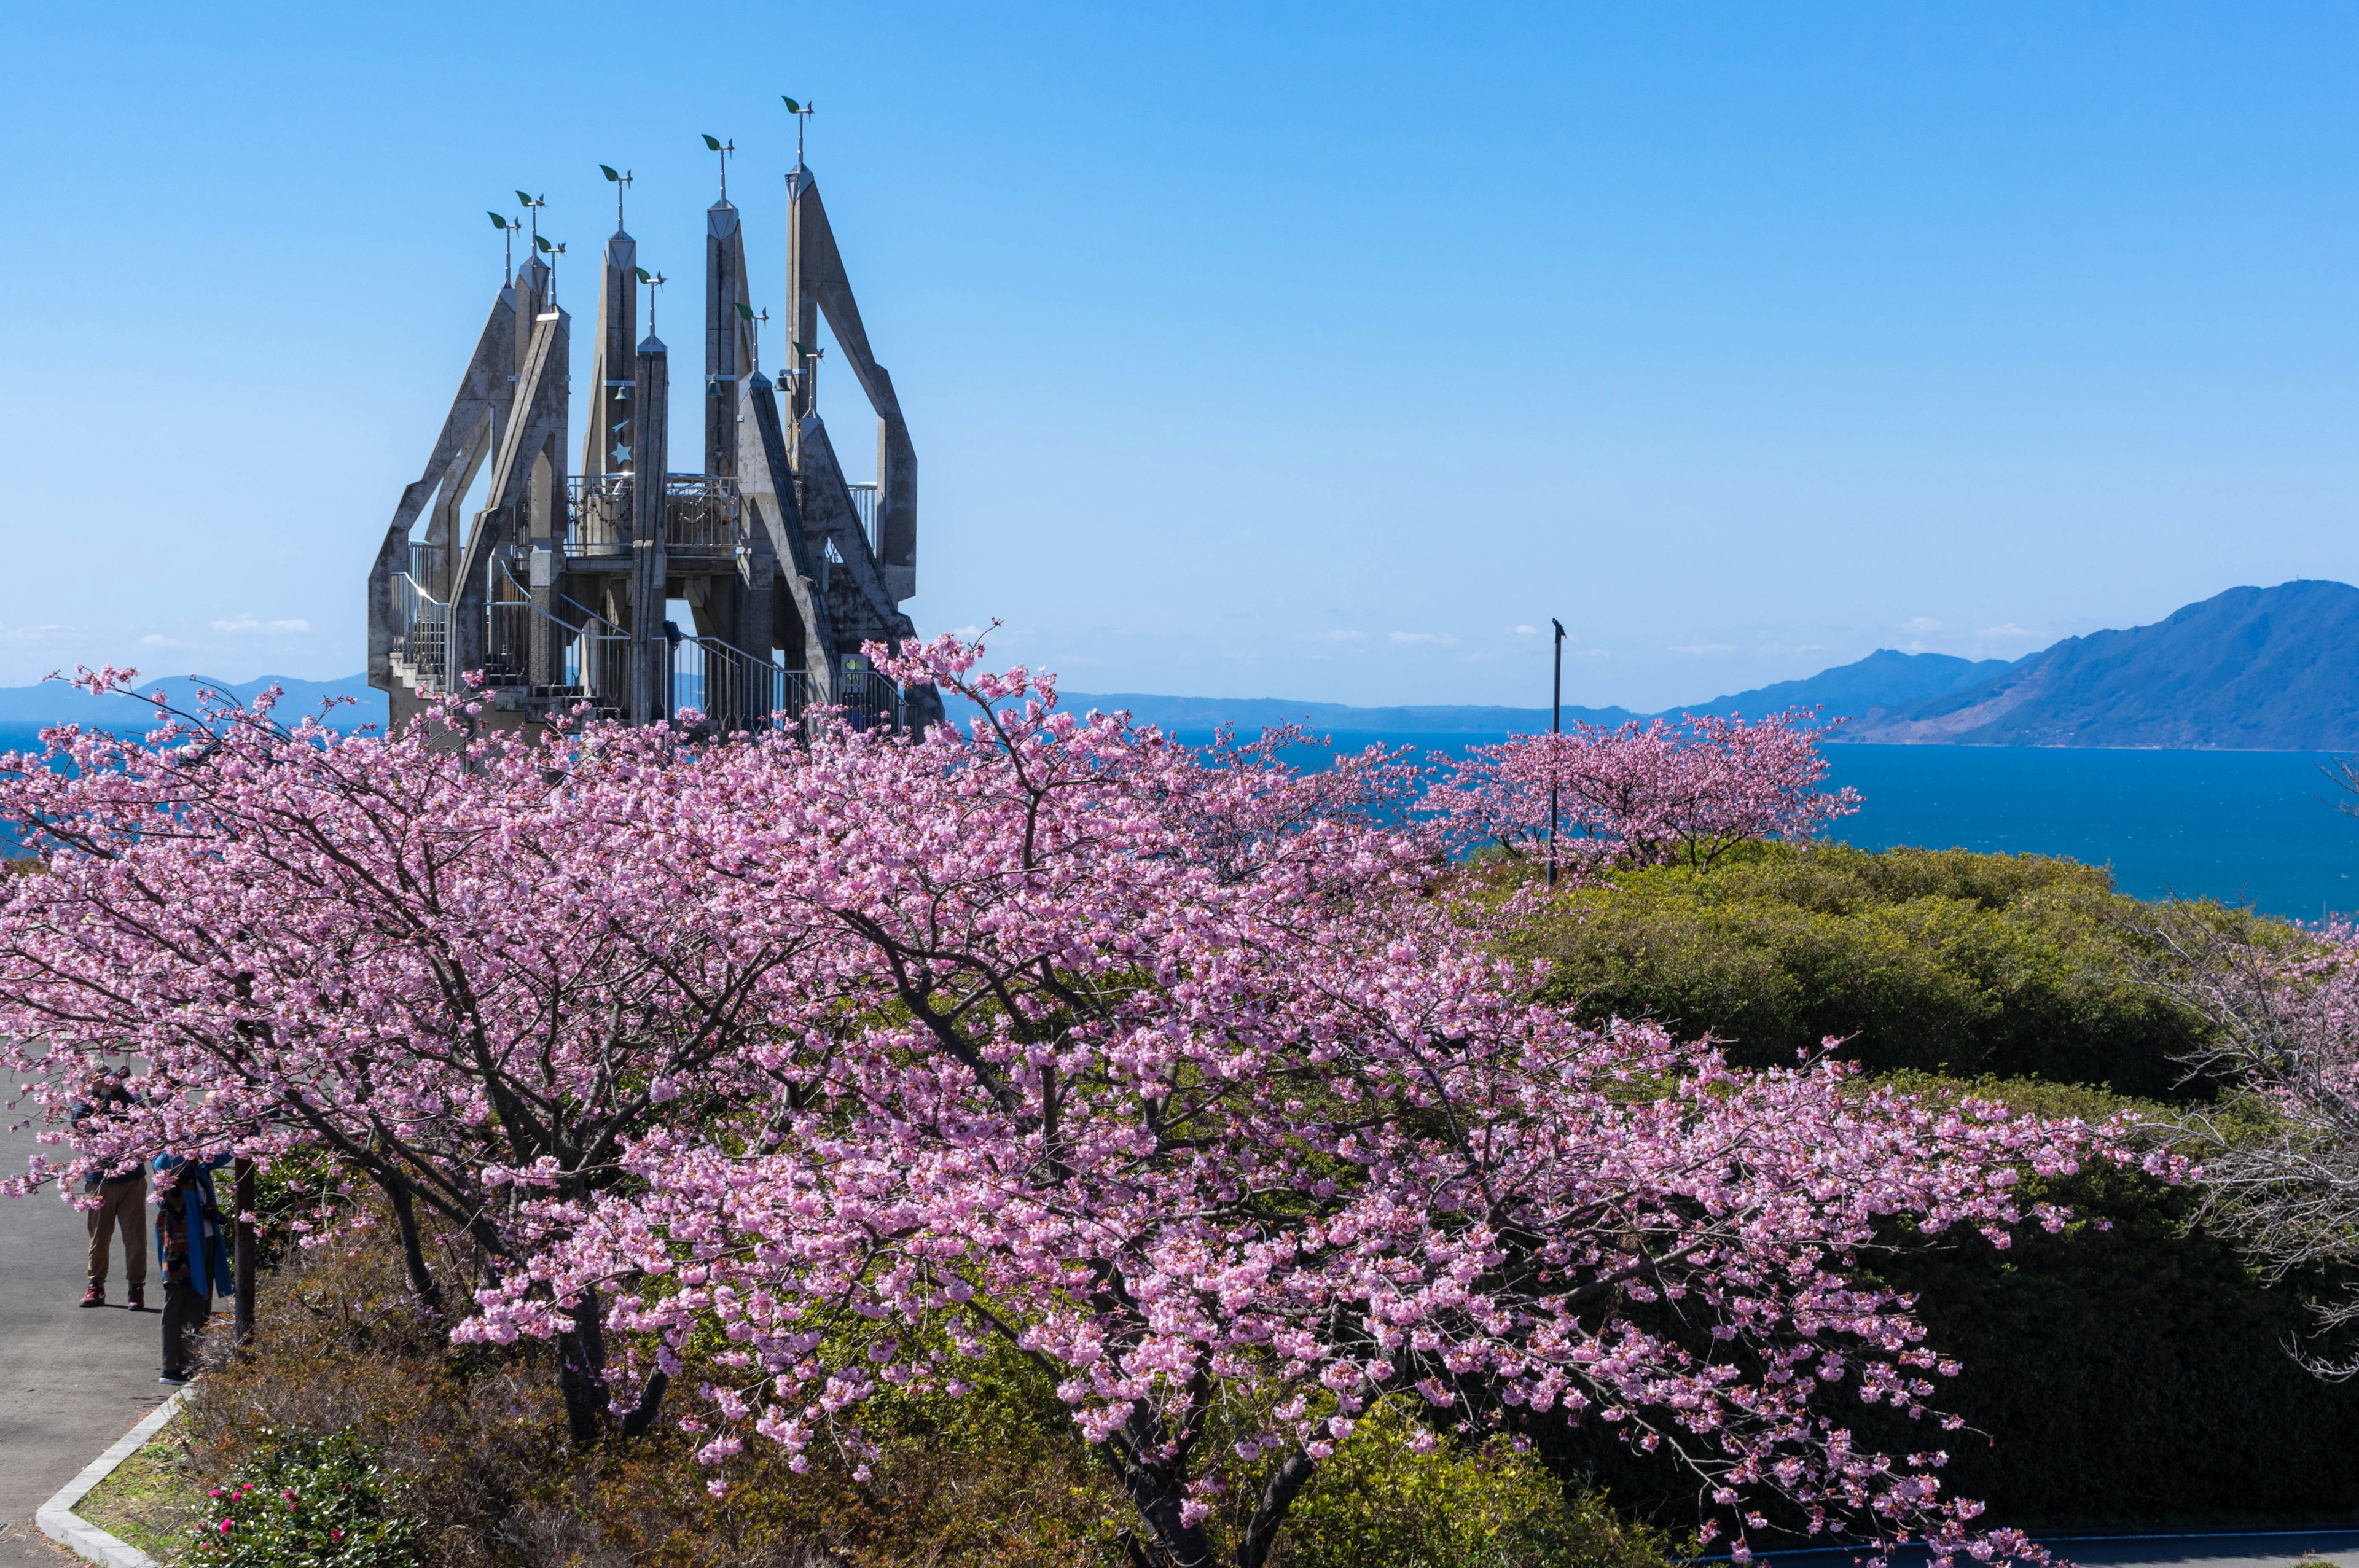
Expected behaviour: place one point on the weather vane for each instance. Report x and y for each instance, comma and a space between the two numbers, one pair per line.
507, 228
725, 149
552, 252
532, 206
754, 321
802, 112
654, 280
620, 182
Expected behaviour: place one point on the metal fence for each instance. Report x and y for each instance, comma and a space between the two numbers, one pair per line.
700, 513
864, 500
422, 634
597, 513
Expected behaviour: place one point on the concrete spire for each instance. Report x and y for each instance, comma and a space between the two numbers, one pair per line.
728, 335
608, 445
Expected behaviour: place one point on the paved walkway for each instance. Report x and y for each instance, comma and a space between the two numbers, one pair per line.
2271, 1549
70, 1381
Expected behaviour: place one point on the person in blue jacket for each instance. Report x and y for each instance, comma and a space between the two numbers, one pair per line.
189, 1245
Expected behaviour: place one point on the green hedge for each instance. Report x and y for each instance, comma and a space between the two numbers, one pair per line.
2129, 1372
1935, 961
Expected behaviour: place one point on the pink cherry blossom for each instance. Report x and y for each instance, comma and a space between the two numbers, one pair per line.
823, 1065
1643, 794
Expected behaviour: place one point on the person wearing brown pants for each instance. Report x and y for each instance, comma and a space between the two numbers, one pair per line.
122, 1204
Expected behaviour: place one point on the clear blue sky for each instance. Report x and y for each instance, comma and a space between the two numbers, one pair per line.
1278, 351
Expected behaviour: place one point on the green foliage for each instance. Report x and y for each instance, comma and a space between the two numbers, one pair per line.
2021, 966
2132, 1369
1381, 1504
308, 1503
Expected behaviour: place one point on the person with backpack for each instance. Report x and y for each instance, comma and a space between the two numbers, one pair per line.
190, 1247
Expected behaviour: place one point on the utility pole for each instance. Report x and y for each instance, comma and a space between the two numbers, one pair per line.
242, 1200
1556, 727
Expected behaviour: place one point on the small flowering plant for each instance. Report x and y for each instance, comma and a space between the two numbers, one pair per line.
308, 1503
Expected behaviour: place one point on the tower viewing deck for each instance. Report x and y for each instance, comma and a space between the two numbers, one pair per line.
556, 584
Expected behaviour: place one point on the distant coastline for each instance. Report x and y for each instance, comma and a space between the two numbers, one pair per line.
2252, 669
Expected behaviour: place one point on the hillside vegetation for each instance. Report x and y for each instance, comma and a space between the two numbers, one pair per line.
2016, 966
2130, 1372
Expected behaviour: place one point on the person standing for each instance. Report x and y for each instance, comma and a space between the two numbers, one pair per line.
189, 1247
120, 1194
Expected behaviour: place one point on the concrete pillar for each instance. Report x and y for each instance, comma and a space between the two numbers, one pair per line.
609, 446
650, 691
728, 340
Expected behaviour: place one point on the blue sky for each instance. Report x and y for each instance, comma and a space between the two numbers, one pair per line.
1250, 350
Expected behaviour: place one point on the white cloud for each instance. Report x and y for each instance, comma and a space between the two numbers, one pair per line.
1918, 625
1343, 635
1425, 639
246, 624
966, 634
36, 634
1698, 650
157, 640
1527, 631
2007, 629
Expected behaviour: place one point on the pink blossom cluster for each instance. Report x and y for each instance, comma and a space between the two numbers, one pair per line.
1647, 794
1176, 1071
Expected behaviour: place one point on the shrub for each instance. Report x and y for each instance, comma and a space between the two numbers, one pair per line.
1383, 1505
2021, 966
308, 1503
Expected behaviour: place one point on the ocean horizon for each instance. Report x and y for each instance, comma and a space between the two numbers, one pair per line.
2245, 828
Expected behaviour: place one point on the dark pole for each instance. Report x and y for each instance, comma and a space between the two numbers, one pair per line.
241, 1195
1556, 727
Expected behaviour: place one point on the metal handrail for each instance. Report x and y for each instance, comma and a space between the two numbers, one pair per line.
865, 502
595, 656
732, 688
870, 701
422, 634
597, 513
700, 512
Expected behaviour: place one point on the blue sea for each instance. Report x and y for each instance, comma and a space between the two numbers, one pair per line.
2258, 827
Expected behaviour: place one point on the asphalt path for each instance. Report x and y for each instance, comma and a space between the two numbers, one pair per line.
72, 1379
2264, 1549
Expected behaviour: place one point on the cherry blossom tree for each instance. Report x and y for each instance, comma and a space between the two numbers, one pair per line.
1182, 1075
449, 961
1214, 1109
2283, 1008
1643, 794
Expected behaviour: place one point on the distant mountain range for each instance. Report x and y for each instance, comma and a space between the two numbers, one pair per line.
2253, 668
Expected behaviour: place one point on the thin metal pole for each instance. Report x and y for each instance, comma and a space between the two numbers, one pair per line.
241, 1195
1556, 727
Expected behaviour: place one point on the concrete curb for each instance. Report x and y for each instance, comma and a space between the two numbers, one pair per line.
58, 1519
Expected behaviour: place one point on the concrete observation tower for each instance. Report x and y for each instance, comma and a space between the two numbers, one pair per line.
558, 586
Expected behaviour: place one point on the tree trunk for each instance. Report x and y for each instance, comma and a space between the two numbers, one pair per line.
413, 1252
1277, 1498
1157, 1496
643, 1415
581, 1371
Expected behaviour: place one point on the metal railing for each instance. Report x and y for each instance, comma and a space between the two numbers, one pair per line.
700, 512
597, 513
864, 500
422, 634
870, 701
593, 659
732, 688
426, 564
